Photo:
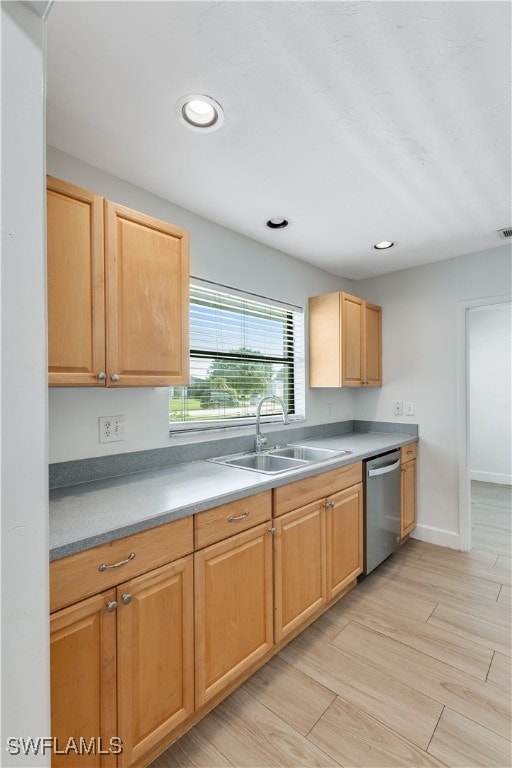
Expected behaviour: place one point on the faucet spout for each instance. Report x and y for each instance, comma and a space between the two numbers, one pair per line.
261, 440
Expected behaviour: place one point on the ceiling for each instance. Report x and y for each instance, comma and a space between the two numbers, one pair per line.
357, 121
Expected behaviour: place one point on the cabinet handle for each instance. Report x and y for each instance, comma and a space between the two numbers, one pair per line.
114, 377
329, 504
111, 606
126, 599
104, 566
240, 517
272, 531
102, 376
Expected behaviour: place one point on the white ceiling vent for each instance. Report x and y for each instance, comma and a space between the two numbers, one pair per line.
504, 233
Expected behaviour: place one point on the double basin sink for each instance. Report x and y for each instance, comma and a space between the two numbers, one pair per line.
279, 459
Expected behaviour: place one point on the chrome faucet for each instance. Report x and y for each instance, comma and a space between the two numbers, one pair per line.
261, 439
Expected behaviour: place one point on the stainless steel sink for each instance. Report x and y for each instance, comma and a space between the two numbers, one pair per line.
262, 462
279, 459
306, 453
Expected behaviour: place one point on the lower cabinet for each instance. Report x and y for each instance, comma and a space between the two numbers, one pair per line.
148, 630
155, 656
233, 608
408, 490
318, 552
83, 680
344, 534
299, 567
122, 668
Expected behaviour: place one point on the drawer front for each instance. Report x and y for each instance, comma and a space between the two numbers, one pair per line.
77, 576
296, 495
407, 453
216, 524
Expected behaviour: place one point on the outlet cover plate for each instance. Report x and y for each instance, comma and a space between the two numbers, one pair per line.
111, 429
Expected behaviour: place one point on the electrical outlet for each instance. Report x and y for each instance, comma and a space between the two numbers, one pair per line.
398, 408
409, 409
111, 428
329, 409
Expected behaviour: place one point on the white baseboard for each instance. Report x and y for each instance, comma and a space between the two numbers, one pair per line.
438, 536
490, 477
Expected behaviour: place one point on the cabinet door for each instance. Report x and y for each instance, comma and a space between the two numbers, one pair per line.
352, 330
147, 300
76, 309
372, 345
83, 682
344, 514
299, 567
408, 475
155, 656
233, 592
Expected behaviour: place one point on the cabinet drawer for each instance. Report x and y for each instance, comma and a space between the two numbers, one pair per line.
295, 495
77, 576
407, 452
219, 523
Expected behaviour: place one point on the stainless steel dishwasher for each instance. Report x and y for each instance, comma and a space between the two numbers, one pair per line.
381, 508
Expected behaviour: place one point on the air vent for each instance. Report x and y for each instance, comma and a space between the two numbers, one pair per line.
504, 233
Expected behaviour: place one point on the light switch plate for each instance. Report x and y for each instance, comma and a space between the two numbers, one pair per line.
409, 408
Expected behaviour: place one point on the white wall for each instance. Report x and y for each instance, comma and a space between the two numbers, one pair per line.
23, 448
217, 254
490, 418
419, 365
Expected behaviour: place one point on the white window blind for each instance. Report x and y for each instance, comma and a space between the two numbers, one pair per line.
241, 348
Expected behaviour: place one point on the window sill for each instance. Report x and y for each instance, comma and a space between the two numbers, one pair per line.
212, 430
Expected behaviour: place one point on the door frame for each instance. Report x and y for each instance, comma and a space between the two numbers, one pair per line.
463, 308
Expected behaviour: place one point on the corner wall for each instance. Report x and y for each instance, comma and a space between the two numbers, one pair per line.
23, 411
420, 365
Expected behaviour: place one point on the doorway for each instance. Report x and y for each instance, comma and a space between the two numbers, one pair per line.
484, 424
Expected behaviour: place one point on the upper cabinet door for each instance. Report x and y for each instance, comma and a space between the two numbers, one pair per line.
373, 345
76, 312
147, 267
352, 330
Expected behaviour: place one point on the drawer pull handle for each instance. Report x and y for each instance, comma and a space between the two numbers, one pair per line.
104, 566
237, 519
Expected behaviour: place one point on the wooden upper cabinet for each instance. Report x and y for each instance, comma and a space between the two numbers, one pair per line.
147, 299
372, 345
118, 294
76, 294
345, 346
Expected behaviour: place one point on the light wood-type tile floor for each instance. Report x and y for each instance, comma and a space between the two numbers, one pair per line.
411, 668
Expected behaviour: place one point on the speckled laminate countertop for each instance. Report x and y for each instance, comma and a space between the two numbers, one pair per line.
85, 515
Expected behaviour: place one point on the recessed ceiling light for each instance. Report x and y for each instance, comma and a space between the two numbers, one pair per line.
200, 112
383, 245
277, 222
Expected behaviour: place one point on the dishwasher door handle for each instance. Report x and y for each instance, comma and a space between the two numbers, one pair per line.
384, 470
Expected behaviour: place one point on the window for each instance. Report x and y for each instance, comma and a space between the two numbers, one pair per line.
241, 348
